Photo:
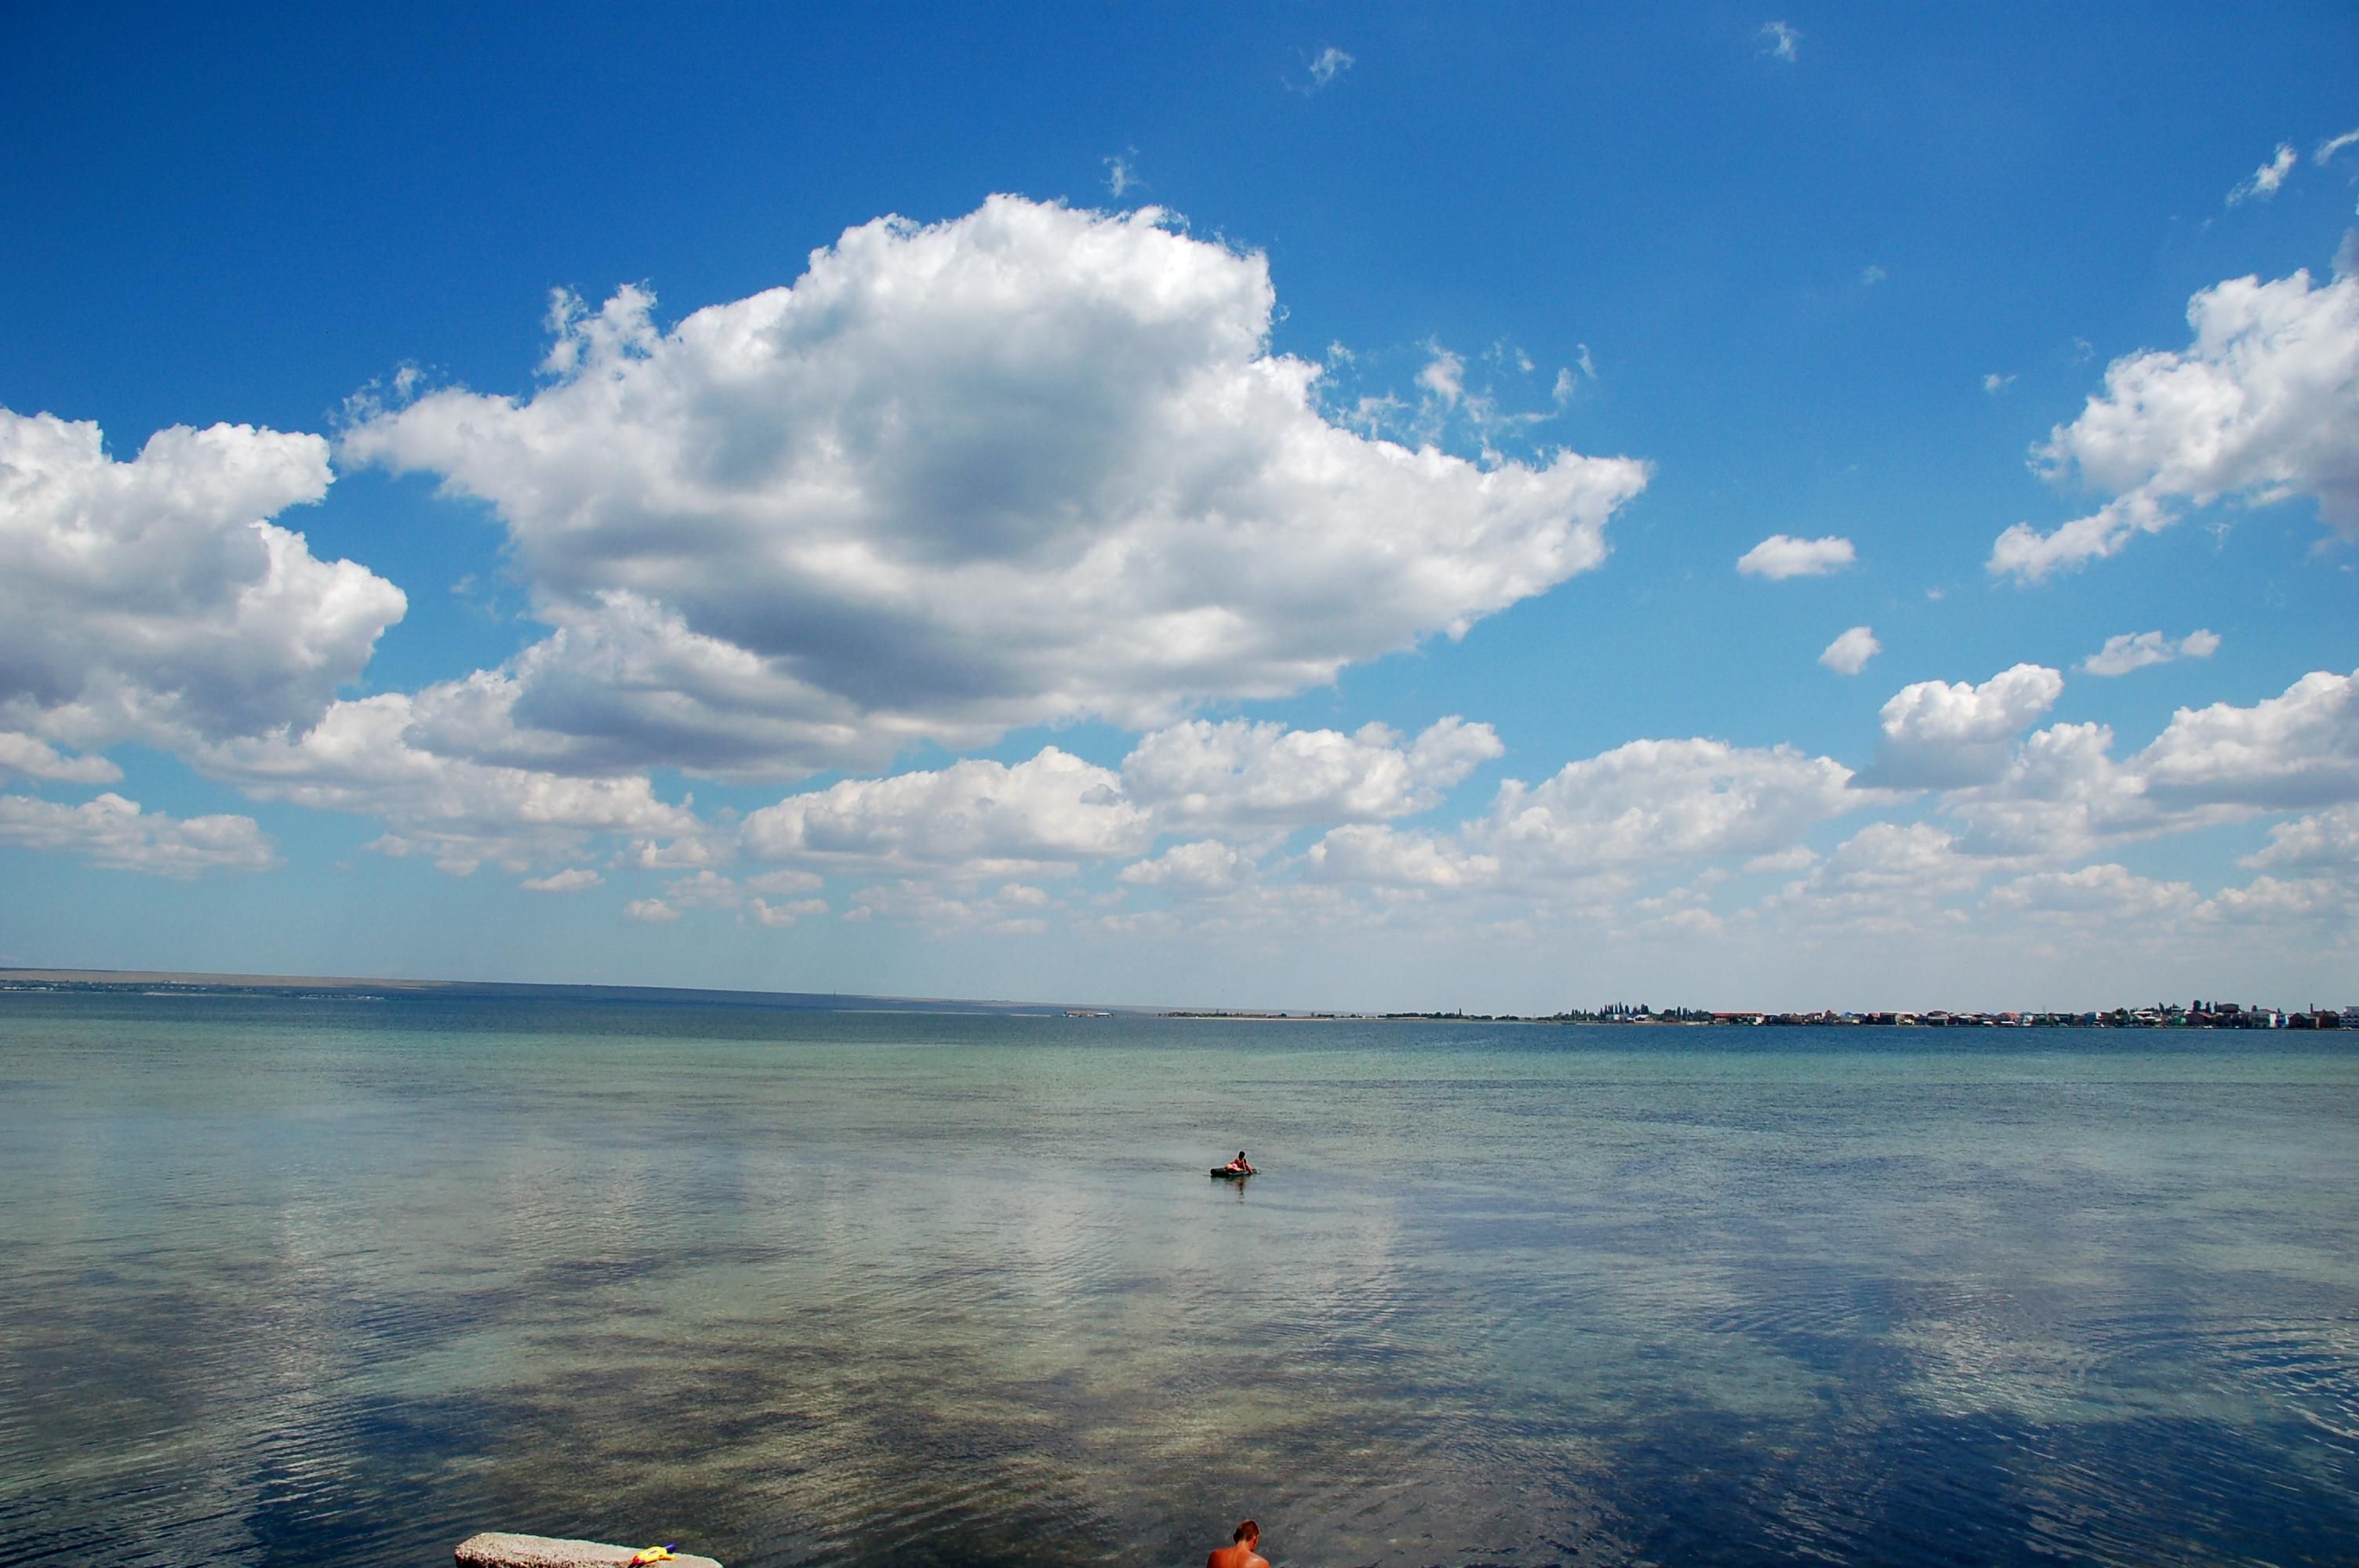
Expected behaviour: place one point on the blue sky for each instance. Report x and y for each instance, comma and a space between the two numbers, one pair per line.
1372, 506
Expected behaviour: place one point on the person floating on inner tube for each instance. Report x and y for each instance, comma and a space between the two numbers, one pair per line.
1240, 1165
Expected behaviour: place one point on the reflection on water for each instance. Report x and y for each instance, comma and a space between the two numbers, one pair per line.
342, 1281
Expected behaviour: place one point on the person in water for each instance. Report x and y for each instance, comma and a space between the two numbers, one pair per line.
1243, 1167
1242, 1554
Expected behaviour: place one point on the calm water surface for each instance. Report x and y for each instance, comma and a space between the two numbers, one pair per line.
342, 1281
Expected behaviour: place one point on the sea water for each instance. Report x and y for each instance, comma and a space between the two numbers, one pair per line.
313, 1281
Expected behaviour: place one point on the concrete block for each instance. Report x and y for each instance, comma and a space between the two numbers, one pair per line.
495, 1549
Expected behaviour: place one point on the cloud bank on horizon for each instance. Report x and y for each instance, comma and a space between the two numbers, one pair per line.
1006, 579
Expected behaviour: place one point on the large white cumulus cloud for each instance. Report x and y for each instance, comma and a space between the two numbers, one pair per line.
1026, 465
154, 597
2264, 403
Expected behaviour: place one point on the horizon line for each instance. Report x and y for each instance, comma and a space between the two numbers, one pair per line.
21, 977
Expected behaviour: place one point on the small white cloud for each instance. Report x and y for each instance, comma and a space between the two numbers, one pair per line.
1377, 855
2027, 554
1657, 802
2266, 179
2328, 841
1781, 40
1943, 734
680, 855
1785, 862
705, 889
113, 832
34, 759
1121, 175
1885, 879
1781, 556
1996, 384
1197, 869
2328, 148
2318, 902
1510, 356
1330, 63
2108, 893
1241, 775
1872, 274
976, 815
576, 880
1006, 911
1445, 375
653, 911
1848, 654
774, 915
2130, 651
2135, 651
1567, 384
1373, 413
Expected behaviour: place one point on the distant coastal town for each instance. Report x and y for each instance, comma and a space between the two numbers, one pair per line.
2198, 1014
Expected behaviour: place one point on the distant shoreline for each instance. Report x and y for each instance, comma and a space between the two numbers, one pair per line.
168, 982
173, 982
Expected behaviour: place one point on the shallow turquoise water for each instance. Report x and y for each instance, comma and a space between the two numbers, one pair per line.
314, 1281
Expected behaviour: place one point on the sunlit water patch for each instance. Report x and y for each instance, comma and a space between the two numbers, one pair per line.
321, 1282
